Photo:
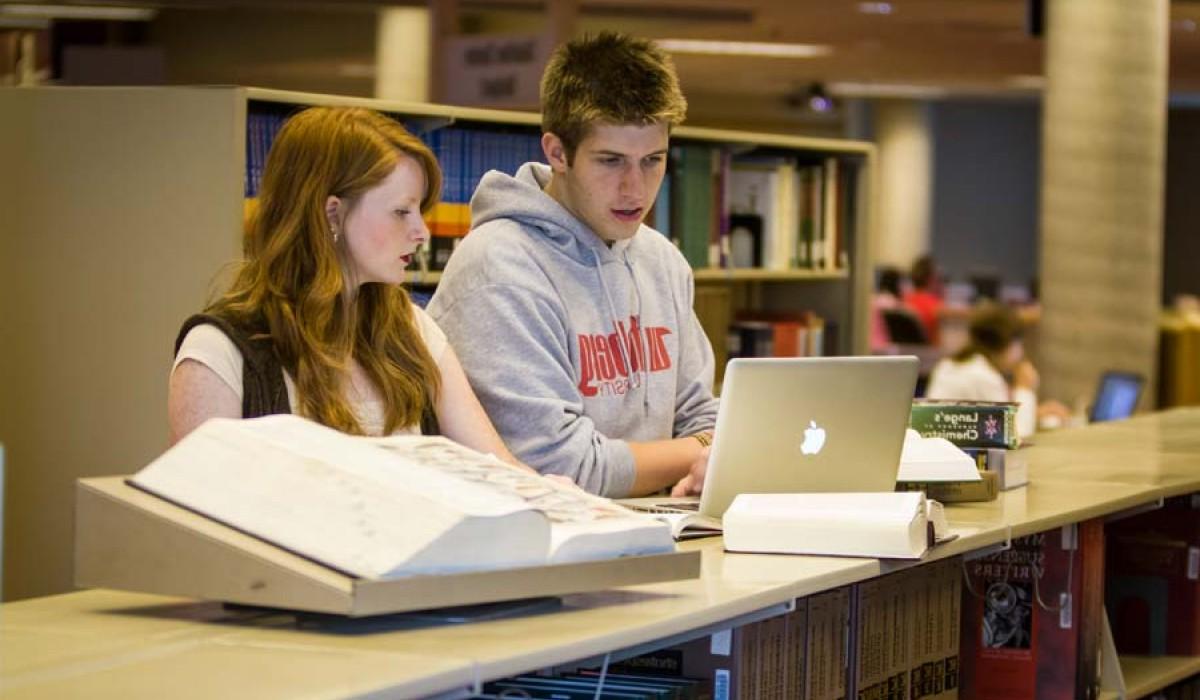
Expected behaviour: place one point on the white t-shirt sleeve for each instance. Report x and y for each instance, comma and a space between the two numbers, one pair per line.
435, 339
210, 347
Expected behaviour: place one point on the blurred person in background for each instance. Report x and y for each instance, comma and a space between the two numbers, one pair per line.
925, 296
992, 367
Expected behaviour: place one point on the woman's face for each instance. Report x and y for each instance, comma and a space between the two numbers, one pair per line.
383, 228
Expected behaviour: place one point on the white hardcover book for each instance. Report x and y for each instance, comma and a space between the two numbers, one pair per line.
886, 525
381, 508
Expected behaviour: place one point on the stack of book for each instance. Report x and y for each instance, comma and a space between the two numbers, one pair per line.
757, 210
801, 654
896, 636
905, 634
986, 431
778, 335
465, 155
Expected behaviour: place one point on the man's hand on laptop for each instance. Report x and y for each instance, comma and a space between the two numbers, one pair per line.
693, 483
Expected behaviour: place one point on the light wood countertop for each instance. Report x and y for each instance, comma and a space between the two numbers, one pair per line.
109, 644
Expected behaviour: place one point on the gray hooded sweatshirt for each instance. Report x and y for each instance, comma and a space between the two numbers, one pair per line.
572, 346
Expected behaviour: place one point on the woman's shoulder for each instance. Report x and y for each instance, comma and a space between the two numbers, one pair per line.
431, 333
240, 331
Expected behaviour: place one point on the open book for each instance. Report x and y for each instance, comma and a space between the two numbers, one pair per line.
886, 525
381, 508
928, 459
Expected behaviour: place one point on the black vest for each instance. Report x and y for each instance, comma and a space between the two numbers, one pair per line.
263, 390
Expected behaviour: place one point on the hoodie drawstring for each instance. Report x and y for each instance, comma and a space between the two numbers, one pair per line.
643, 348
612, 312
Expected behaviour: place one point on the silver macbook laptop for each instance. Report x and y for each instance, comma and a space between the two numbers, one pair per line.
796, 425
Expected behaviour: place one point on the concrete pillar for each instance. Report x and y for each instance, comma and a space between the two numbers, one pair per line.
404, 54
902, 131
1103, 136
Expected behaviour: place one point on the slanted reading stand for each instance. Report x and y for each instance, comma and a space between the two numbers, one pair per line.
131, 540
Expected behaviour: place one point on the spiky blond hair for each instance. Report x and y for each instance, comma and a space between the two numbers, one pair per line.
608, 78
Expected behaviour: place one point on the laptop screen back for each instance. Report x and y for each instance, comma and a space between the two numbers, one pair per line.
1117, 396
808, 425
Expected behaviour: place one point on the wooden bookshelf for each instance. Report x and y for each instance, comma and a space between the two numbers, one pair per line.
846, 305
1146, 675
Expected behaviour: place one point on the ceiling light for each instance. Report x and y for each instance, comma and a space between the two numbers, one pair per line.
818, 100
875, 8
128, 14
745, 48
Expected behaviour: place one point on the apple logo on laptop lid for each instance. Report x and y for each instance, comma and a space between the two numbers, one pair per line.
814, 439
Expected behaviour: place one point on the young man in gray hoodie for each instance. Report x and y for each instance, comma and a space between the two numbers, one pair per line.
572, 318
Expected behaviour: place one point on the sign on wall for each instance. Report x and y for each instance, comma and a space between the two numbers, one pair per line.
495, 70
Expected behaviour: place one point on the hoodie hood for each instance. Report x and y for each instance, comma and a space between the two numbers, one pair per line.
522, 198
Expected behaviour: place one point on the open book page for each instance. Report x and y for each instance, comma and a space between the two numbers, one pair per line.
582, 526
419, 473
342, 501
682, 515
689, 526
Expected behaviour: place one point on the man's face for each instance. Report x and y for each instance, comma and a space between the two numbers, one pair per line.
613, 179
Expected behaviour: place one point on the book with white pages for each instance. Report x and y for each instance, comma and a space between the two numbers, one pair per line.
384, 508
925, 459
683, 517
899, 525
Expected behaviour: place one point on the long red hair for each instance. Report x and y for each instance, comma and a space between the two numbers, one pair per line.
293, 283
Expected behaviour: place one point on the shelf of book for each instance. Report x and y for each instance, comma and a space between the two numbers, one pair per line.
782, 209
1146, 675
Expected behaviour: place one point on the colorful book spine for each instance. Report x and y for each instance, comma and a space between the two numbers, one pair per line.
693, 201
967, 424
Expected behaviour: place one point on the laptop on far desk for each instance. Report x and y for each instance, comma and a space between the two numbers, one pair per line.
803, 425
1116, 397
